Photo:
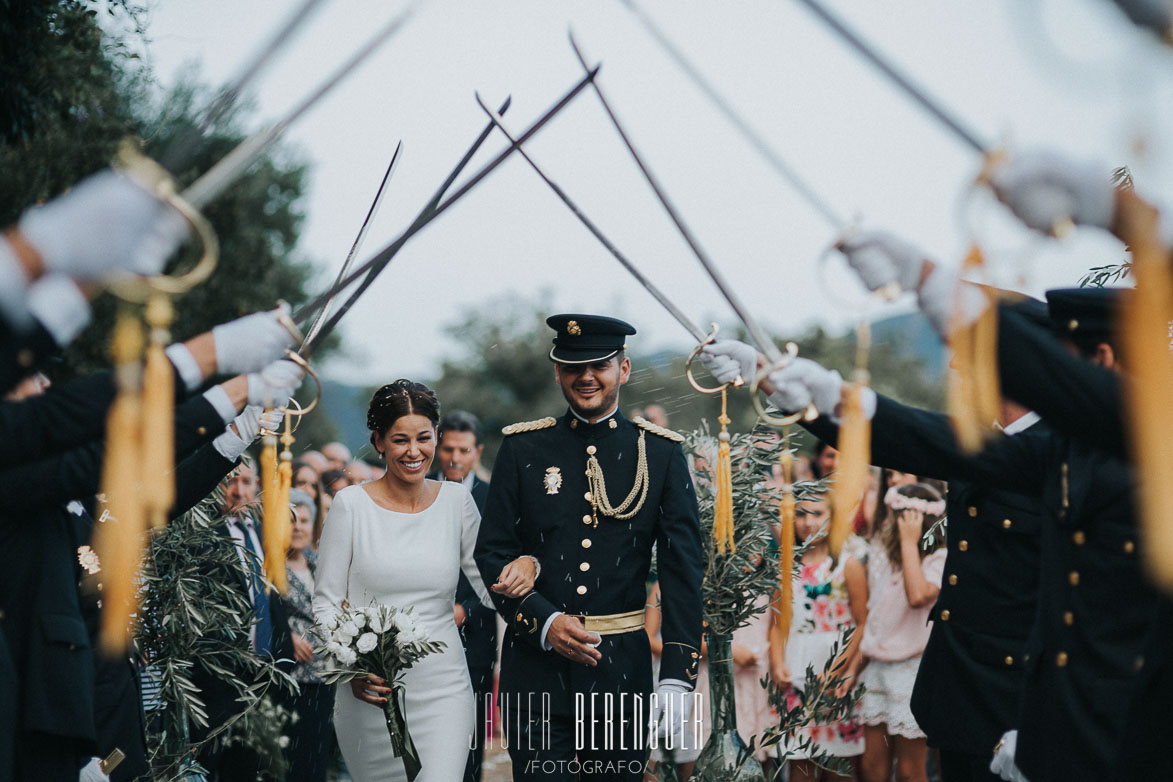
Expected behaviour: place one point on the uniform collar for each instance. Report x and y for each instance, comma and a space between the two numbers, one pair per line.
600, 428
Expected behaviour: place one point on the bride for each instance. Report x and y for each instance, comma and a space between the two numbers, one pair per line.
402, 541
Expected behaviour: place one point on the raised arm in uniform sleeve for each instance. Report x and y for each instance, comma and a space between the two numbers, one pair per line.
922, 442
499, 543
65, 416
679, 563
77, 472
1075, 397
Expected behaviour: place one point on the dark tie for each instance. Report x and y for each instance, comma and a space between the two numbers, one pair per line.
256, 590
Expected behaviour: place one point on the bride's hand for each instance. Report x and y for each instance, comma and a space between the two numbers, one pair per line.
516, 578
370, 689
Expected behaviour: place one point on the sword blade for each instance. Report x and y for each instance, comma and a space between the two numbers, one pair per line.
918, 95
358, 240
665, 302
768, 153
229, 168
756, 333
227, 97
379, 262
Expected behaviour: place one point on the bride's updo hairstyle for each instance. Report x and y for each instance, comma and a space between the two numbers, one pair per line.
395, 400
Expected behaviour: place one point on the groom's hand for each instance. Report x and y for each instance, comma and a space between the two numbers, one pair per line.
570, 639
370, 689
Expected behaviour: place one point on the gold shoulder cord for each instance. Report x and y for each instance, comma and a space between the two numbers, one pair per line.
598, 486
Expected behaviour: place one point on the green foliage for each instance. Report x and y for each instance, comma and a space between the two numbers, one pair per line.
825, 700
734, 581
263, 730
196, 616
1099, 276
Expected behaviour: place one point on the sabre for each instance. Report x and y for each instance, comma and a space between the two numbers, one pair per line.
918, 95
837, 221
232, 165
659, 296
763, 341
358, 240
380, 260
227, 97
435, 199
759, 336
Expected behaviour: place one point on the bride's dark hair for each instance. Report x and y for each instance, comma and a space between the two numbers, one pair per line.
395, 400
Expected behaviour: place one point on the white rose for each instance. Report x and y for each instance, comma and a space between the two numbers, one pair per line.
360, 618
283, 742
335, 649
367, 642
408, 636
376, 624
348, 628
346, 656
399, 621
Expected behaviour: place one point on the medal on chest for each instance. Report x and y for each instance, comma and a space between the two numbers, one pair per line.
552, 480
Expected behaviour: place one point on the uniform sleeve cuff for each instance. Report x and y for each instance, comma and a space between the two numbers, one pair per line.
218, 398
546, 628
186, 365
60, 306
13, 287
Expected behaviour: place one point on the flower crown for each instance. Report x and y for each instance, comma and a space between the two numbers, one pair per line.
897, 501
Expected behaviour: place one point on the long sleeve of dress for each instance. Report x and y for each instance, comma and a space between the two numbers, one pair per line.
334, 557
470, 526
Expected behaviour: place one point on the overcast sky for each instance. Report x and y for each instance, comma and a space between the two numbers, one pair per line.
1071, 75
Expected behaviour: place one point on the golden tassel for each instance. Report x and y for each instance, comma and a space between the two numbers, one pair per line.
1145, 333
786, 510
270, 483
158, 429
278, 523
723, 509
974, 393
855, 448
118, 538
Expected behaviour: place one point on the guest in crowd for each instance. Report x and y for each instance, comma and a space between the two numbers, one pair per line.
904, 579
310, 735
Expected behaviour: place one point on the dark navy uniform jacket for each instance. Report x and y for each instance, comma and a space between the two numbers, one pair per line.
539, 505
1095, 608
970, 677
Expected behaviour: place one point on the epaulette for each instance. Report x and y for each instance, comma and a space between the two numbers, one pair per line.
529, 426
647, 425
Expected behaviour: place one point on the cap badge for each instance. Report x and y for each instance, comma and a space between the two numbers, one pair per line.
553, 480
573, 329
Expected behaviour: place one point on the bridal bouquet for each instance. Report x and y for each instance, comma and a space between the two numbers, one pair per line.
383, 641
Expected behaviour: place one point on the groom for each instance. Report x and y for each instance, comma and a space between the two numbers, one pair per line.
588, 495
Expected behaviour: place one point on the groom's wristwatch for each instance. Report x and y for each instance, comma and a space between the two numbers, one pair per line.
537, 565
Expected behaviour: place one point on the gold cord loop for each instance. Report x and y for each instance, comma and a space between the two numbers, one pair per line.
601, 503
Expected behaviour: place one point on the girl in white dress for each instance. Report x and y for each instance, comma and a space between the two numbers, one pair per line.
401, 541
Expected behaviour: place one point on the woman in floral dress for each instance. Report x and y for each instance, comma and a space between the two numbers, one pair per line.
829, 597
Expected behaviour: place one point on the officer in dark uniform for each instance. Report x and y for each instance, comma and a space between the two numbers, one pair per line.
588, 494
970, 676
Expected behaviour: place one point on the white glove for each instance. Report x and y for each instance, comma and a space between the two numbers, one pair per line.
1044, 189
802, 382
107, 223
881, 258
275, 384
729, 359
1003, 762
947, 301
92, 772
247, 344
245, 428
673, 707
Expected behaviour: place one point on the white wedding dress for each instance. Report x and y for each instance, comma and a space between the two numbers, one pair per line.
404, 560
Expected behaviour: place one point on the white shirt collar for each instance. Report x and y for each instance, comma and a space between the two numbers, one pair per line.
1022, 423
469, 480
614, 410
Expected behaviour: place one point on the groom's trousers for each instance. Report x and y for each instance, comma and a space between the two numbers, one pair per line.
565, 747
